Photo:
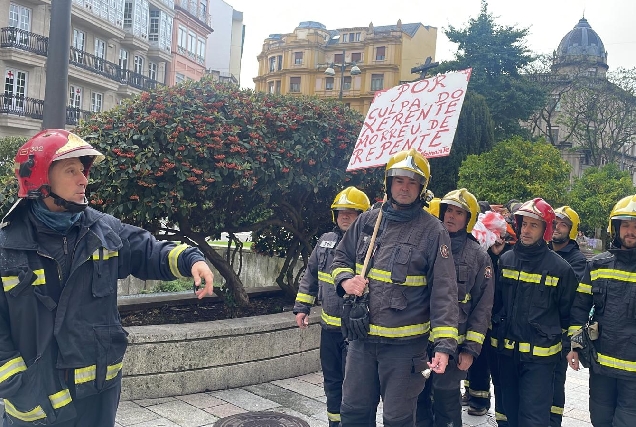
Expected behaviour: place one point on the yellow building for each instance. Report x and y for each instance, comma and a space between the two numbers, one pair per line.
295, 63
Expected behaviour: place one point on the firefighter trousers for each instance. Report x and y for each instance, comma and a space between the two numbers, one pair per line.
333, 351
527, 391
612, 401
438, 405
493, 364
390, 371
479, 381
558, 399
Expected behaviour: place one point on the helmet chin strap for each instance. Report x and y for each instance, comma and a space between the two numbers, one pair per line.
71, 207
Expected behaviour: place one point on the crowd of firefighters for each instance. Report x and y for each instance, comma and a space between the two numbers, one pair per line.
420, 293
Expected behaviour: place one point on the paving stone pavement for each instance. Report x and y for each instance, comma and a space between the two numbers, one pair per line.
302, 397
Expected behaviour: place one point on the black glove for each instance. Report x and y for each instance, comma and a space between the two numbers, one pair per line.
344, 320
359, 318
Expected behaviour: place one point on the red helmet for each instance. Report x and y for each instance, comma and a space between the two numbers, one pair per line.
537, 209
34, 158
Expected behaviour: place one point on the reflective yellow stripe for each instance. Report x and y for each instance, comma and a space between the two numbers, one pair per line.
34, 414
528, 277
330, 320
493, 342
612, 362
9, 282
556, 410
510, 345
84, 375
333, 417
460, 339
61, 398
385, 276
306, 298
467, 298
11, 368
500, 417
475, 336
524, 347
107, 254
444, 332
337, 271
607, 273
325, 277
584, 289
40, 279
402, 331
483, 394
113, 370
173, 260
573, 329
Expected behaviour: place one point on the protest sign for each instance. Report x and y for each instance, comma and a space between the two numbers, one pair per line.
421, 115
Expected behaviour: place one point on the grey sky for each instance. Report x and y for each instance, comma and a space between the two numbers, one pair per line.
548, 20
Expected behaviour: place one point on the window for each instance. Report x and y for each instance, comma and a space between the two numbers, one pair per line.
280, 62
192, 40
357, 36
345, 38
128, 14
329, 83
19, 17
380, 53
294, 84
272, 64
356, 57
554, 134
377, 81
152, 70
179, 78
183, 39
338, 58
78, 44
270, 87
346, 85
153, 34
123, 59
96, 102
278, 84
139, 64
14, 89
200, 50
298, 58
100, 54
74, 96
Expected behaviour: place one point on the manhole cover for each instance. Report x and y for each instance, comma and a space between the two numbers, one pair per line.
261, 419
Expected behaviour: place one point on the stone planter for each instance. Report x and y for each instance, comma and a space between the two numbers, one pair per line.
171, 360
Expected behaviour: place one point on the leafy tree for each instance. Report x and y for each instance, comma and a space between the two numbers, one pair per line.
474, 135
8, 148
594, 195
496, 55
517, 169
198, 159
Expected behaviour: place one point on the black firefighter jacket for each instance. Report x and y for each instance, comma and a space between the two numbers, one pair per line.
573, 255
475, 290
54, 334
317, 282
537, 289
608, 284
412, 286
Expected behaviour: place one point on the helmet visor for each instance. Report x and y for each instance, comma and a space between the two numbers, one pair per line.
394, 171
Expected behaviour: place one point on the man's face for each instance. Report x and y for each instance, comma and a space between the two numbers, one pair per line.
561, 233
67, 181
455, 218
531, 230
627, 234
404, 190
345, 218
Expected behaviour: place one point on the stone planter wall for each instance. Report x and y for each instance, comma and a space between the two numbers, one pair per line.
170, 360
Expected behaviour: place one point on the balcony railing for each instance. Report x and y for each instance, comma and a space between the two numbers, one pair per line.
139, 81
18, 105
193, 8
24, 40
95, 64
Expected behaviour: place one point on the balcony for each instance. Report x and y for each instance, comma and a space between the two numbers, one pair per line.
159, 51
139, 81
94, 64
24, 40
18, 105
194, 10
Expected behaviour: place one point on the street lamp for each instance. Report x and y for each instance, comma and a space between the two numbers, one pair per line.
331, 72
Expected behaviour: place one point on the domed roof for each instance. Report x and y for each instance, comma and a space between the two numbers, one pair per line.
582, 43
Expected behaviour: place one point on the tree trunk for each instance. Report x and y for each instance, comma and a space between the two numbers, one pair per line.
286, 270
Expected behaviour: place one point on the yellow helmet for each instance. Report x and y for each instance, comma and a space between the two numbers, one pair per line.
624, 209
569, 215
409, 163
433, 207
464, 200
349, 198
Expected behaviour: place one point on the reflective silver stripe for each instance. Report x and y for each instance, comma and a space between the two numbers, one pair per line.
173, 260
40, 279
556, 410
9, 282
385, 276
330, 320
33, 415
610, 273
475, 336
306, 298
584, 289
113, 370
84, 375
11, 368
612, 362
107, 254
61, 398
337, 271
402, 331
524, 276
325, 277
444, 332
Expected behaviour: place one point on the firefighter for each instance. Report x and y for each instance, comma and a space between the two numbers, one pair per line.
607, 293
407, 293
537, 289
318, 284
439, 403
61, 340
566, 225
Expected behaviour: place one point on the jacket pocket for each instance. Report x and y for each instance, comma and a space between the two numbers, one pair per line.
111, 342
546, 332
599, 295
400, 265
397, 299
105, 268
541, 293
